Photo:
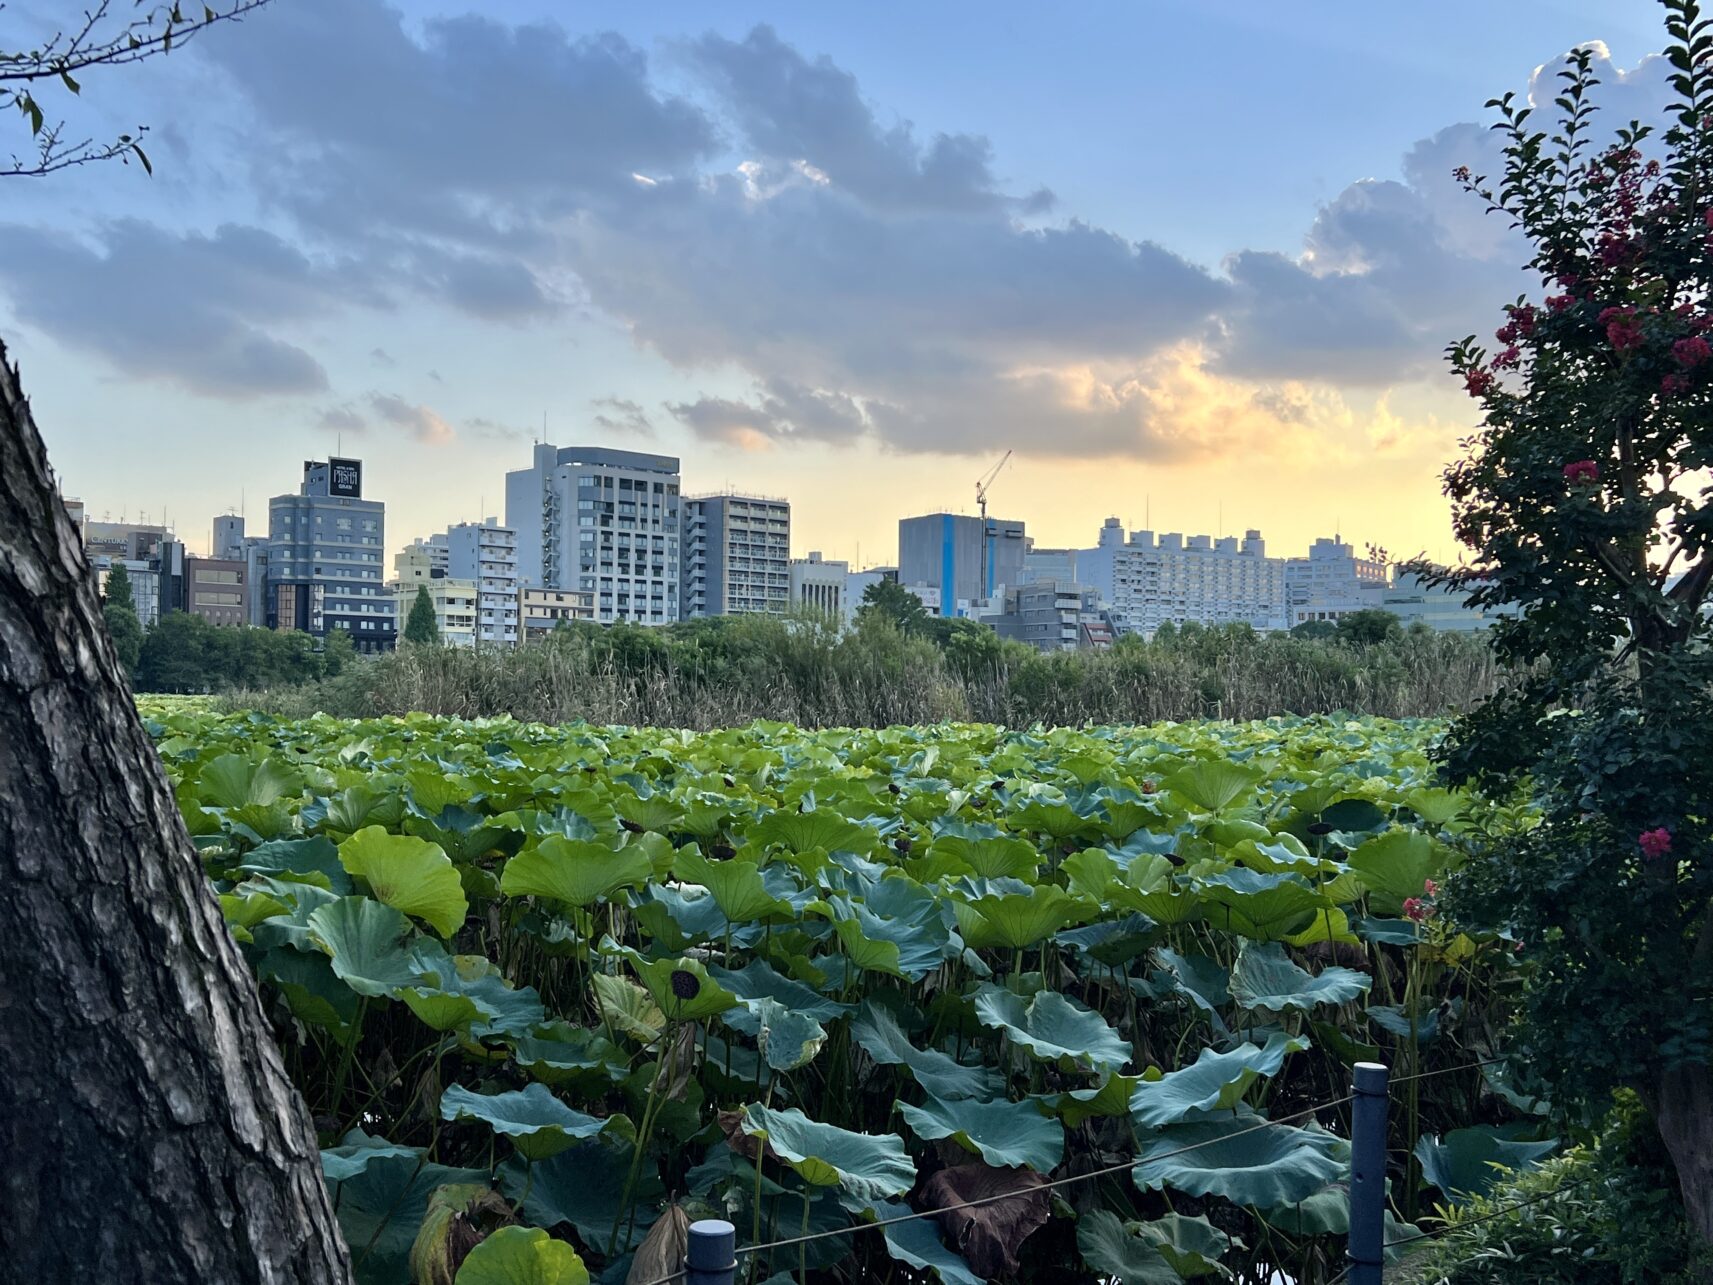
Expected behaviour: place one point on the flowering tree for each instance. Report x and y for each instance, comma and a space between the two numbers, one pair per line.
1586, 499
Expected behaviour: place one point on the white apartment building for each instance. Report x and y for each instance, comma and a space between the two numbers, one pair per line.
600, 521
818, 585
1041, 565
486, 553
1173, 579
454, 599
541, 611
1332, 582
736, 555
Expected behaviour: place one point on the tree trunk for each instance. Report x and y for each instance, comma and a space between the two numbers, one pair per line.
147, 1128
1683, 1110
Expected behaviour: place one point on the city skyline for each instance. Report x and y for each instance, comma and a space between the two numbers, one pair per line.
753, 263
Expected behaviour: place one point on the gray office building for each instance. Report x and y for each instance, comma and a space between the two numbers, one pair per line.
600, 521
736, 555
968, 559
325, 547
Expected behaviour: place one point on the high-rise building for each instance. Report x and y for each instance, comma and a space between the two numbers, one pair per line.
1332, 582
599, 520
255, 553
228, 541
1173, 579
486, 553
453, 599
1439, 606
325, 549
1048, 564
967, 560
736, 555
818, 585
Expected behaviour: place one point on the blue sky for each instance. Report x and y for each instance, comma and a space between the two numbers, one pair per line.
1192, 262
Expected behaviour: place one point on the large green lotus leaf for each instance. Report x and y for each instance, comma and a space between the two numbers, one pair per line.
881, 1037
310, 988
1168, 906
381, 1208
1007, 1135
987, 857
1089, 873
289, 929
787, 1038
1111, 942
758, 980
1263, 906
657, 814
573, 1055
234, 782
678, 917
1199, 979
584, 1187
1264, 977
1118, 1254
916, 1243
1398, 864
872, 955
1058, 821
628, 1008
243, 910
434, 793
522, 1256
359, 806
735, 885
1328, 926
366, 941
409, 874
1353, 816
1124, 817
313, 860
356, 1152
1470, 1162
1054, 1027
805, 831
1015, 921
539, 1124
1111, 1097
681, 988
455, 992
1213, 1082
462, 834
1327, 1213
1396, 1020
262, 822
1267, 1166
574, 872
1193, 1246
865, 1167
1213, 784
1435, 806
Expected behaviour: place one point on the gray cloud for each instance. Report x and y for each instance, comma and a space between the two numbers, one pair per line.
621, 415
419, 421
783, 411
342, 419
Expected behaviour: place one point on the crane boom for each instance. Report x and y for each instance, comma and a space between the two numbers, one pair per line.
981, 486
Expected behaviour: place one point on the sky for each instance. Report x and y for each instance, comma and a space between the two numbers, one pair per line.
1194, 265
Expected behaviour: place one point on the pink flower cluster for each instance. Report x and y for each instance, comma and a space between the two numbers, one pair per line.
1417, 910
1477, 381
1654, 843
1623, 329
1579, 471
1691, 352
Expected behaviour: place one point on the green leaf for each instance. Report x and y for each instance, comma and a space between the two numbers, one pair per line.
1213, 784
366, 941
382, 1207
231, 781
1193, 1246
735, 885
1264, 977
539, 1124
758, 980
574, 872
1054, 1027
1110, 1098
805, 831
1263, 906
995, 857
585, 1187
865, 1167
1398, 864
408, 874
1228, 1156
682, 988
1470, 1162
1016, 920
880, 1036
1214, 1082
628, 1008
1007, 1135
352, 1156
917, 1244
787, 1038
573, 1055
522, 1256
1117, 1254
313, 860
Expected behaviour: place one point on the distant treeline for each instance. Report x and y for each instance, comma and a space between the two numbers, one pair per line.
185, 653
723, 671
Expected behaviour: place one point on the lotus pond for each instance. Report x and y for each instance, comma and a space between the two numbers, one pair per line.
588, 980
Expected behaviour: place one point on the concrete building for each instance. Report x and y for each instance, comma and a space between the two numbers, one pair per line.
145, 577
126, 540
454, 599
486, 553
857, 585
255, 553
1172, 579
1048, 564
541, 611
1055, 615
601, 521
968, 560
324, 558
736, 552
818, 585
228, 538
1333, 582
215, 589
1436, 606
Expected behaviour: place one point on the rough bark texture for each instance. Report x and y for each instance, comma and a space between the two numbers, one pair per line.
148, 1131
1684, 1110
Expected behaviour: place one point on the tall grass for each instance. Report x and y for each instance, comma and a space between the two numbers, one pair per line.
801, 672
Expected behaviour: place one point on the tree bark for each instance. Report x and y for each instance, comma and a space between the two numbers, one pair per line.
1683, 1110
147, 1128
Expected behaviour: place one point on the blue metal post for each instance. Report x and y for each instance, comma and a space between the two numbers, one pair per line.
1367, 1250
712, 1256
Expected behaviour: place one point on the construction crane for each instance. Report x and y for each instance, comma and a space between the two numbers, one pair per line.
981, 486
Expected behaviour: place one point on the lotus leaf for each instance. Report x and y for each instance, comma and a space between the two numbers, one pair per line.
880, 1036
1119, 1254
1470, 1162
1398, 864
1007, 1135
1264, 977
736, 886
1054, 1027
539, 1124
408, 874
1213, 784
574, 872
1241, 1158
866, 1167
1215, 1081
917, 1244
366, 941
522, 1256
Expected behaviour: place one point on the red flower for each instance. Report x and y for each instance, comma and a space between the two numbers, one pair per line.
1559, 302
1506, 359
1708, 217
1430, 887
1654, 843
1507, 333
1477, 382
1581, 471
1417, 910
1691, 352
1672, 385
1524, 315
1461, 174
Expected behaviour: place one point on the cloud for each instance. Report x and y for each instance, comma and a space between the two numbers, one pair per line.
381, 357
419, 421
190, 309
342, 419
496, 431
621, 415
